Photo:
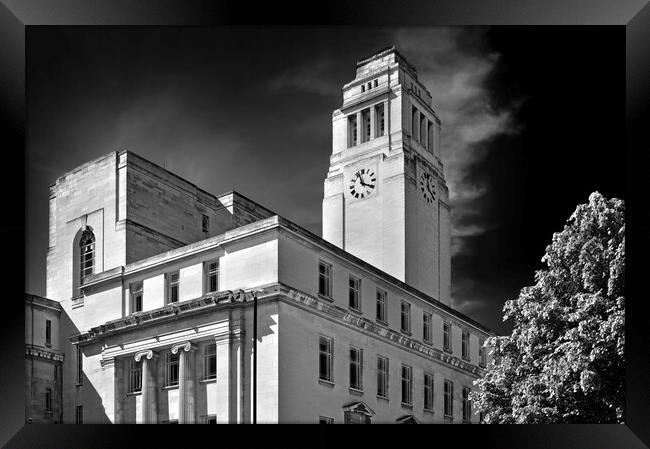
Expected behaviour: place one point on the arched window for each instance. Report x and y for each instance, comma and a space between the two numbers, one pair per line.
87, 254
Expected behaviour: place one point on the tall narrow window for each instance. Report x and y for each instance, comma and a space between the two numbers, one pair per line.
326, 353
80, 366
375, 83
136, 296
171, 369
210, 361
380, 124
381, 305
212, 276
430, 138
79, 414
446, 336
481, 354
365, 119
205, 223
428, 391
48, 333
48, 399
352, 130
465, 345
135, 376
354, 293
405, 321
407, 385
423, 129
172, 287
324, 279
382, 377
467, 405
426, 327
449, 399
356, 368
87, 254
414, 123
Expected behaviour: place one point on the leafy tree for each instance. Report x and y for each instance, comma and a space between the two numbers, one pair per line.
564, 361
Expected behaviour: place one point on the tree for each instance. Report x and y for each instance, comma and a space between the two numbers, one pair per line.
564, 361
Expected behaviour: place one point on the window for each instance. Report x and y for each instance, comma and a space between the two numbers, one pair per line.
467, 405
428, 391
449, 399
80, 366
465, 345
430, 138
481, 354
407, 385
325, 420
363, 88
352, 130
171, 369
365, 120
48, 399
205, 223
210, 361
426, 327
212, 277
423, 129
376, 83
136, 297
135, 376
354, 293
172, 287
414, 123
87, 253
325, 279
381, 305
48, 333
369, 86
79, 414
356, 368
211, 419
446, 336
382, 377
380, 124
326, 353
405, 317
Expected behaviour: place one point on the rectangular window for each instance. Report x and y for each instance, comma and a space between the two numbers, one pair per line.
210, 361
381, 305
80, 366
405, 322
136, 297
211, 419
171, 369
79, 415
446, 336
467, 405
380, 124
382, 377
135, 376
427, 335
414, 123
48, 333
481, 354
356, 368
465, 345
326, 354
325, 279
430, 138
407, 385
325, 420
375, 83
48, 399
423, 129
172, 287
449, 399
428, 391
352, 130
212, 276
354, 285
365, 119
205, 223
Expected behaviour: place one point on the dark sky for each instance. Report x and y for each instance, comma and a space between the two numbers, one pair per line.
533, 122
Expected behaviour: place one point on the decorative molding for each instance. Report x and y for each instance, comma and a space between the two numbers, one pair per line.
187, 346
148, 354
43, 353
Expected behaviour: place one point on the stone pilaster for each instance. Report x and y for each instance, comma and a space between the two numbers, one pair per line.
149, 386
228, 376
186, 399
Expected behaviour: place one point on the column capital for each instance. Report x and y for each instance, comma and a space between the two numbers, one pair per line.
186, 346
148, 354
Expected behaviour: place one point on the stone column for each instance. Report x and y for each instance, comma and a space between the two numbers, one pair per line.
112, 388
228, 377
149, 386
186, 400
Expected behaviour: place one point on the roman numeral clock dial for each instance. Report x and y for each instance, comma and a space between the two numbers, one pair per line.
427, 187
363, 183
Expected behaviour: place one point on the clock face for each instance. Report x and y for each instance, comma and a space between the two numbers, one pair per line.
363, 183
427, 187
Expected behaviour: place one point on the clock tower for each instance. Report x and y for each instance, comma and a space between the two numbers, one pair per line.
386, 200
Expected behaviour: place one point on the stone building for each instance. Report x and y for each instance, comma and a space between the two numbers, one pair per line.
178, 306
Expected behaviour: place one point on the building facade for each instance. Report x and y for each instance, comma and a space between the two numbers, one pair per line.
178, 306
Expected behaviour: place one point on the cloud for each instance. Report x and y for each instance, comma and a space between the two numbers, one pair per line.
313, 77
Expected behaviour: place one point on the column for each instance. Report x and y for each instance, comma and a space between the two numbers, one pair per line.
112, 387
229, 382
186, 399
149, 386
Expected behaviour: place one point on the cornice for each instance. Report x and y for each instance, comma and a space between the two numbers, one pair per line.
43, 353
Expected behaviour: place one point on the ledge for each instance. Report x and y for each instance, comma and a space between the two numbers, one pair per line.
383, 398
406, 406
326, 298
326, 383
169, 387
355, 392
208, 381
355, 311
134, 393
